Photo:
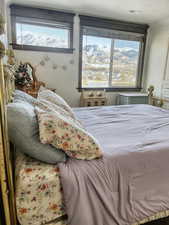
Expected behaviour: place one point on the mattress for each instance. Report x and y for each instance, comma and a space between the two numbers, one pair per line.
39, 198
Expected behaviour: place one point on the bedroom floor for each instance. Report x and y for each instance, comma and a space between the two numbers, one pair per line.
164, 221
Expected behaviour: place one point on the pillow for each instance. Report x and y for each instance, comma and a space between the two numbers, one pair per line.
56, 99
49, 106
23, 96
42, 88
23, 133
63, 133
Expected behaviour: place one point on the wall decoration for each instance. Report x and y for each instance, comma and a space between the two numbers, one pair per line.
42, 62
46, 58
71, 61
54, 66
64, 67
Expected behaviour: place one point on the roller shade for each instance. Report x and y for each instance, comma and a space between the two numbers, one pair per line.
47, 23
113, 24
114, 34
42, 14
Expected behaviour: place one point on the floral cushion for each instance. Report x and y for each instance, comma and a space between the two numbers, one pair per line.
49, 107
39, 193
55, 99
62, 132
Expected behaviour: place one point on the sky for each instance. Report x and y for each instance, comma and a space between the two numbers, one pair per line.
91, 40
41, 30
63, 34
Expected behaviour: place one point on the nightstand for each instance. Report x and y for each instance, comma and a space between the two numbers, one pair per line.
93, 98
132, 98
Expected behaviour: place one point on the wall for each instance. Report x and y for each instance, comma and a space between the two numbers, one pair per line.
156, 58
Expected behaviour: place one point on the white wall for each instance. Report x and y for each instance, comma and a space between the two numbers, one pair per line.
158, 44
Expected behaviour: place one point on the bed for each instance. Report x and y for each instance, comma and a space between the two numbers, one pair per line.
127, 186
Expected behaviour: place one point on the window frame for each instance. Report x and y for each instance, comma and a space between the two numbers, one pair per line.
19, 13
119, 26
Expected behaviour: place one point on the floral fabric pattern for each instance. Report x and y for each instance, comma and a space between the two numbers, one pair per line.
65, 134
49, 107
38, 192
55, 99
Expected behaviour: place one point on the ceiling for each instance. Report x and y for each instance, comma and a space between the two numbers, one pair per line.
147, 11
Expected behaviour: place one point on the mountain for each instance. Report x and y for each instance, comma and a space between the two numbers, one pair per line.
96, 58
28, 38
102, 54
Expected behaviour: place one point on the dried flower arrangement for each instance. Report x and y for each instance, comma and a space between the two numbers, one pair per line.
22, 77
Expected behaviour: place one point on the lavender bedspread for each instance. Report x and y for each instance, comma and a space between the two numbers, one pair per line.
131, 181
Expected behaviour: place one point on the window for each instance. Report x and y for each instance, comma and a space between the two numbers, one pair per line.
110, 59
41, 35
41, 30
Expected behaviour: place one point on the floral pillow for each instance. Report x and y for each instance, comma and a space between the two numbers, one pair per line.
62, 132
55, 99
49, 107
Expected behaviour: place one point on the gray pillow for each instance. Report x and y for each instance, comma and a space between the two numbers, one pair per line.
24, 133
23, 96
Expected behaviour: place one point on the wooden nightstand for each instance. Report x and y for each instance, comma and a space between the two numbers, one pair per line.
93, 98
132, 98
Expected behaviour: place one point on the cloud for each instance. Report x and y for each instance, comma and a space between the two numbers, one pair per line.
28, 38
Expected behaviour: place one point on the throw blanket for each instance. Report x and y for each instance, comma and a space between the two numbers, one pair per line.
131, 181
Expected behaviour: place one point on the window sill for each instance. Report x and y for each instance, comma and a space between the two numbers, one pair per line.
110, 89
42, 49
